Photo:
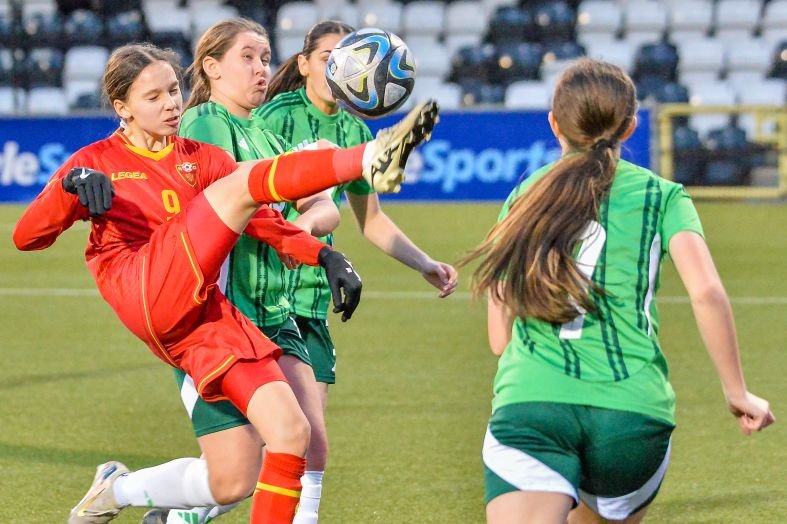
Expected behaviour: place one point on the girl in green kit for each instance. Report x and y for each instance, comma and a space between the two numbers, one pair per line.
300, 107
583, 410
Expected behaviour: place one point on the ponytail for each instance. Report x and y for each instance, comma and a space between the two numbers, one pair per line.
529, 258
200, 85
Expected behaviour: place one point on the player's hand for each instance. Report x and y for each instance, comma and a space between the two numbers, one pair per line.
289, 261
442, 276
753, 413
341, 276
93, 188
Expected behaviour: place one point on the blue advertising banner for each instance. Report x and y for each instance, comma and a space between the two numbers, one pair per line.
472, 155
483, 155
31, 149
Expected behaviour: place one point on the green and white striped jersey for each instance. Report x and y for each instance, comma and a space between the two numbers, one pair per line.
299, 122
255, 277
611, 358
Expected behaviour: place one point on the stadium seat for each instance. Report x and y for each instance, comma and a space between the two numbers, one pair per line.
165, 19
612, 51
598, 20
434, 61
387, 16
42, 29
711, 94
83, 27
286, 46
423, 17
516, 61
454, 43
658, 59
672, 93
177, 42
690, 20
85, 63
472, 63
774, 21
701, 61
347, 13
768, 92
491, 6
737, 19
556, 22
779, 63
512, 24
204, 17
425, 87
48, 7
465, 18
688, 156
645, 21
125, 27
528, 95
74, 89
296, 18
730, 159
8, 31
43, 67
748, 61
12, 100
449, 96
46, 101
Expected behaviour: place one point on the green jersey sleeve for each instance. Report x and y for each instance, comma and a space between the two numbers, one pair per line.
679, 215
211, 129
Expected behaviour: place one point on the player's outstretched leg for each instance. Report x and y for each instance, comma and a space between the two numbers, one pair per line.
99, 505
393, 145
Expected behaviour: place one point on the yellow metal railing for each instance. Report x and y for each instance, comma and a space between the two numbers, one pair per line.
770, 125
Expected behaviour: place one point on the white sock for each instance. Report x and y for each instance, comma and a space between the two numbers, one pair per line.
310, 498
179, 484
368, 155
198, 515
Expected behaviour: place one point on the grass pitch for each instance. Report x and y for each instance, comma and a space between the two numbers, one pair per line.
407, 416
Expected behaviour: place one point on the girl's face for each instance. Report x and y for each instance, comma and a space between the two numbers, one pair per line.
312, 68
239, 80
154, 102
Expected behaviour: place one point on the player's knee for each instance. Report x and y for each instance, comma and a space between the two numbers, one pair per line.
228, 489
291, 437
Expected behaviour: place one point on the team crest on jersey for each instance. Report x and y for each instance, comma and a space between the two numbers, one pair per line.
188, 172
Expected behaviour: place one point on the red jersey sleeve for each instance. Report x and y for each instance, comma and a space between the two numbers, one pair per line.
52, 212
270, 227
215, 163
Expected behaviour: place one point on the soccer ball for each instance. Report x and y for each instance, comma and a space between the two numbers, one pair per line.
371, 72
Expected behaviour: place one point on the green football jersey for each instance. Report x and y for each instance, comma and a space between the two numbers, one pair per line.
256, 279
610, 358
299, 122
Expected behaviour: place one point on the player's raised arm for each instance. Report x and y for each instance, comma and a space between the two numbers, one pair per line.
72, 194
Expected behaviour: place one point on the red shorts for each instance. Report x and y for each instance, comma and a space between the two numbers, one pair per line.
161, 294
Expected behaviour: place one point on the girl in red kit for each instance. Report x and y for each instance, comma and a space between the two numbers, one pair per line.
165, 213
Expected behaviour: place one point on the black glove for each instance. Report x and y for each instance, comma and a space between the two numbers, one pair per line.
340, 275
93, 188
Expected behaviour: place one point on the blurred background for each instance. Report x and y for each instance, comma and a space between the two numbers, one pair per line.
711, 76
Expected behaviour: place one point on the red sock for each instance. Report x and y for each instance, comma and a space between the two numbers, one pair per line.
279, 489
292, 176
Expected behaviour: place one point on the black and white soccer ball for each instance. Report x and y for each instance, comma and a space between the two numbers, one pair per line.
371, 72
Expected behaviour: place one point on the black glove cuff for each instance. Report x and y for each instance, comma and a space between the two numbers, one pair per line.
324, 254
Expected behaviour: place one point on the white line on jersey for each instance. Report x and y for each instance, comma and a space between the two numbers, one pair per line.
371, 295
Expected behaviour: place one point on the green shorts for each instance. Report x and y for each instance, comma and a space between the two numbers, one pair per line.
211, 417
612, 460
321, 350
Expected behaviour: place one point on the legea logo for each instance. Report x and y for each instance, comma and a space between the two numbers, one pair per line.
437, 163
24, 168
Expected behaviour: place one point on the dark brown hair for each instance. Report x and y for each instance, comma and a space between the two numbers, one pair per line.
528, 259
215, 43
127, 62
288, 77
